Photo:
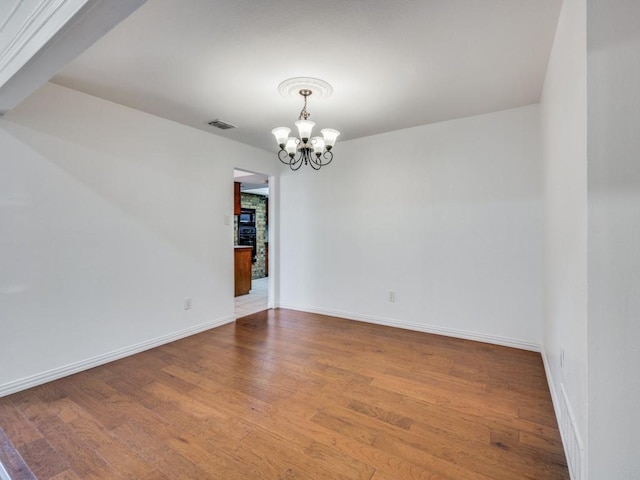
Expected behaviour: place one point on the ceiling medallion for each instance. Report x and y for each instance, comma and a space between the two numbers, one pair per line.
304, 149
292, 86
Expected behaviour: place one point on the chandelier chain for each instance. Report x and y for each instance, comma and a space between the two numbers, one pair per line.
304, 115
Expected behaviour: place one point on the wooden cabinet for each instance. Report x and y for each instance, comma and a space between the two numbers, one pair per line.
236, 198
242, 256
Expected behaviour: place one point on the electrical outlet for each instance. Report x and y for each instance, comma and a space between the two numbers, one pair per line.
391, 296
187, 304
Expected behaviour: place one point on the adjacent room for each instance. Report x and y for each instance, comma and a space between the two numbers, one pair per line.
251, 242
341, 240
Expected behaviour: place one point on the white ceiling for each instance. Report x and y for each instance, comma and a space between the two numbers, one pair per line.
392, 63
250, 182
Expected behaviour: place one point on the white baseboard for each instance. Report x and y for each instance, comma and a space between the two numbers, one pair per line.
571, 441
40, 378
420, 327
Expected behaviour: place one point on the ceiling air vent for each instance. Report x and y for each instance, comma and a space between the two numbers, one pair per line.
221, 125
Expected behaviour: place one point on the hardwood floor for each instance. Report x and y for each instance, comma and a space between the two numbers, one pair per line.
288, 395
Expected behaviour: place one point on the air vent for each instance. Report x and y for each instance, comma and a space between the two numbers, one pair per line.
221, 125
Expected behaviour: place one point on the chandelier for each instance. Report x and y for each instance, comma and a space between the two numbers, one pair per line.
305, 149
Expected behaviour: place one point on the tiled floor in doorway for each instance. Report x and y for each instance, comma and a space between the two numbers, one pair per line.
255, 300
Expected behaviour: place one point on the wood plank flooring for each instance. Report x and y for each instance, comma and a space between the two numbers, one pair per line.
282, 394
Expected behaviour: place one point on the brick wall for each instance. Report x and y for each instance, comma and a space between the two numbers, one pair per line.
259, 203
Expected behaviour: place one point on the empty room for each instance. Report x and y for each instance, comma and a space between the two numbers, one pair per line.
363, 239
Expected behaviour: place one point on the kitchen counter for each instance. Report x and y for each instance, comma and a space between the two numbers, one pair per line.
242, 259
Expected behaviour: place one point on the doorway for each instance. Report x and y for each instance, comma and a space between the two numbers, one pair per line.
251, 232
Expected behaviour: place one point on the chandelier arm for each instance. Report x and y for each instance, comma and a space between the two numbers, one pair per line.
329, 156
315, 165
296, 163
306, 155
286, 159
315, 161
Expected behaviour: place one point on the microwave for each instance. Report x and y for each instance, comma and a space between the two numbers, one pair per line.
247, 216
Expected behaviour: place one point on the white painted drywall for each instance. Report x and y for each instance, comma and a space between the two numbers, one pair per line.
613, 46
564, 154
38, 37
110, 219
448, 216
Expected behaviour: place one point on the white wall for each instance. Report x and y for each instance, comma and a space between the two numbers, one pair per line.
110, 219
564, 154
613, 40
446, 215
